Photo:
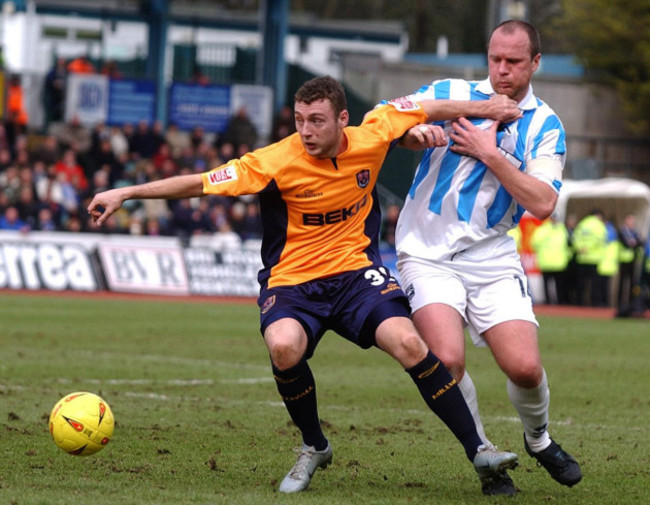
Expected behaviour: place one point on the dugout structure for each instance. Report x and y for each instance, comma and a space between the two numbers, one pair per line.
615, 196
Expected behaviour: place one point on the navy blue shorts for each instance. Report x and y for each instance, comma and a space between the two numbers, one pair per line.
352, 304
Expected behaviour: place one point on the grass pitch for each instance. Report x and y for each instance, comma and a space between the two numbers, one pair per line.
199, 419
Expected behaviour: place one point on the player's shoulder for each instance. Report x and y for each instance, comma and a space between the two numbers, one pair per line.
545, 117
445, 88
280, 153
544, 107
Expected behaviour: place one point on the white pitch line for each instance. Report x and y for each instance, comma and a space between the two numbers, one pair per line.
179, 360
172, 382
414, 412
278, 404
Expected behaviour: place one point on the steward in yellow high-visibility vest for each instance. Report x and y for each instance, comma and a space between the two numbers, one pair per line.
589, 242
550, 241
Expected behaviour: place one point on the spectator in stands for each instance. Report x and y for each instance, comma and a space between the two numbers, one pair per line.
100, 181
226, 152
105, 158
168, 168
158, 132
111, 69
128, 129
71, 170
144, 171
10, 220
21, 158
145, 141
211, 156
219, 217
68, 194
99, 132
163, 154
5, 159
158, 211
73, 134
27, 205
45, 220
47, 151
54, 91
10, 183
153, 228
197, 136
201, 157
16, 112
284, 124
73, 224
4, 141
241, 131
39, 171
178, 140
236, 217
119, 143
189, 221
49, 191
186, 157
80, 65
252, 221
4, 202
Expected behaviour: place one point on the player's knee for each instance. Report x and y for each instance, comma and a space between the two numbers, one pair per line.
454, 361
284, 353
525, 373
410, 348
285, 348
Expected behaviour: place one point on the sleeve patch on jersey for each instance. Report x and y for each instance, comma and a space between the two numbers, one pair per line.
224, 175
404, 104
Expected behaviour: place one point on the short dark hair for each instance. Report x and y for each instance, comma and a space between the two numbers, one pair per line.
512, 25
323, 88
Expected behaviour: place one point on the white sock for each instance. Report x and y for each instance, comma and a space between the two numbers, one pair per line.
532, 406
468, 390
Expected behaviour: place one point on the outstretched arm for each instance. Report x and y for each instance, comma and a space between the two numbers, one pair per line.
108, 202
499, 107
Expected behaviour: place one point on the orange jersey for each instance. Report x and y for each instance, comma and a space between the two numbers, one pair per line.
320, 217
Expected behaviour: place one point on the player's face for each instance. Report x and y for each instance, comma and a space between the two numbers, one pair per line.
321, 131
510, 65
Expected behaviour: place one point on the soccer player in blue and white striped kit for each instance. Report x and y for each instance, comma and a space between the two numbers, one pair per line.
457, 264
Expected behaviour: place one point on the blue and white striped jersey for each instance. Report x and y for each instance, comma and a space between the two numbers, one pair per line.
455, 201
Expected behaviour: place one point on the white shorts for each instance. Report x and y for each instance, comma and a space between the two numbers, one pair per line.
486, 284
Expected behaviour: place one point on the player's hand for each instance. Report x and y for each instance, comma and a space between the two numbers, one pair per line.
502, 108
104, 204
471, 141
424, 136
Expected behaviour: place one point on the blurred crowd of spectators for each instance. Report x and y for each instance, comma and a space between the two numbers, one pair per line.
47, 181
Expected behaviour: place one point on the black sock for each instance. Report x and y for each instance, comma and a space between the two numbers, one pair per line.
442, 394
298, 390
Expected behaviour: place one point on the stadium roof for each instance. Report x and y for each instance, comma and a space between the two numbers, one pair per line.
213, 15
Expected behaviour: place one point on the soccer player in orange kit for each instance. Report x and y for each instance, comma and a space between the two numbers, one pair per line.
321, 264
